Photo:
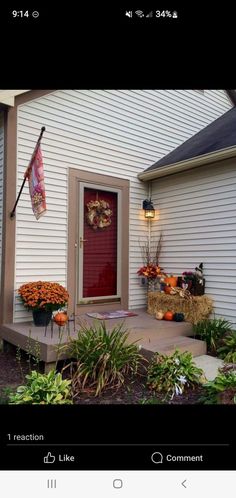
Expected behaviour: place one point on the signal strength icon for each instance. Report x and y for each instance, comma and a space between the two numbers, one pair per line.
150, 14
139, 13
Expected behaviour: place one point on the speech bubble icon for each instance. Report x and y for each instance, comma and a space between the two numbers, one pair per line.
157, 457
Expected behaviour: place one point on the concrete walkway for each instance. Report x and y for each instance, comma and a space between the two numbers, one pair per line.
209, 365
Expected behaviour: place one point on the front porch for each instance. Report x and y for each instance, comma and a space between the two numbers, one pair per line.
151, 334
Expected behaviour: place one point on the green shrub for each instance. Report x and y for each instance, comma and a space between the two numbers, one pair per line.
103, 358
4, 395
230, 357
170, 375
212, 331
43, 389
228, 349
222, 388
151, 401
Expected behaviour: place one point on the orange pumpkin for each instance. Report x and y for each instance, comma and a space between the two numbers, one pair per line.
167, 289
60, 319
168, 315
171, 281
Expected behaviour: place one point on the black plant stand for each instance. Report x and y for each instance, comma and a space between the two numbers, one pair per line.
60, 327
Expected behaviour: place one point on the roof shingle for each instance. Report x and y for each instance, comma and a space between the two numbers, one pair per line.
216, 136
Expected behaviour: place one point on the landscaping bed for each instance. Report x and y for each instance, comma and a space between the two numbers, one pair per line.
107, 369
10, 375
132, 392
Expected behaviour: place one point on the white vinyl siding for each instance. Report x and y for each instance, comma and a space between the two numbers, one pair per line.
197, 215
1, 185
113, 132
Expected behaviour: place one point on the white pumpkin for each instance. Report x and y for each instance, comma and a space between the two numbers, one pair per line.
159, 315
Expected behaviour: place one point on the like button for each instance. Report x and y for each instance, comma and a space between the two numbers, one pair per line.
49, 458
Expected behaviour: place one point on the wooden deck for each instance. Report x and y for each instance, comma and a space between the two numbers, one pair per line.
151, 334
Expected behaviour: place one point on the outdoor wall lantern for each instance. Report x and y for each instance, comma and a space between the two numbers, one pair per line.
149, 211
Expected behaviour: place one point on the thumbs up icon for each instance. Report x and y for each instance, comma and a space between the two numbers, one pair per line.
49, 458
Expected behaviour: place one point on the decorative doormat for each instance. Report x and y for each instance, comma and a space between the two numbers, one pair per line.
112, 314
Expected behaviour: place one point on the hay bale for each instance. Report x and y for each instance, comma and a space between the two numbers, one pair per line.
195, 309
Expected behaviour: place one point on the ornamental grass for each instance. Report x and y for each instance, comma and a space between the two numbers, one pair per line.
104, 358
48, 296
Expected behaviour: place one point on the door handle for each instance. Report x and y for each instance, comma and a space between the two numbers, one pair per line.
81, 241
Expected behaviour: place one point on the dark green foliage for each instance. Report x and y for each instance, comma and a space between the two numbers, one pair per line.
222, 387
170, 375
212, 331
227, 351
5, 392
151, 401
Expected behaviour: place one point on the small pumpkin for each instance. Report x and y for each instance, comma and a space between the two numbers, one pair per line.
178, 317
172, 281
159, 315
168, 315
167, 289
60, 319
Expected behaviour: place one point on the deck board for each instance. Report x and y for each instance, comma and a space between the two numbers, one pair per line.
143, 328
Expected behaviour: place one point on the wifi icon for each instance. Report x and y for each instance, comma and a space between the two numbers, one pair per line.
139, 13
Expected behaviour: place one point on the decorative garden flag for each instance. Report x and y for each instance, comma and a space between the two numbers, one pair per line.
35, 175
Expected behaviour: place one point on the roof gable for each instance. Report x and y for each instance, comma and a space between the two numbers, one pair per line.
218, 135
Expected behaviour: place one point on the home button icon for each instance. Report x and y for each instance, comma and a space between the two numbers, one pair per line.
117, 483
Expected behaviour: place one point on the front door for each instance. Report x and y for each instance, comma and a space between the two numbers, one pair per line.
99, 251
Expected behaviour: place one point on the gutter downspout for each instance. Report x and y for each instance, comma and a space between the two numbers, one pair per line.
149, 221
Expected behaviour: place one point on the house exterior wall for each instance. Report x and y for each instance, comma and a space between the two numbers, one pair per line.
1, 184
197, 216
113, 132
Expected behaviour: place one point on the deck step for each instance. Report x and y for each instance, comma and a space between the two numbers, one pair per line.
159, 329
170, 344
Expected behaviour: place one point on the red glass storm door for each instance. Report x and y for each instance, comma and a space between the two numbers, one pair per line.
99, 244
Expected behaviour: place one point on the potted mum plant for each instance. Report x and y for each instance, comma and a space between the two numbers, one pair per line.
42, 298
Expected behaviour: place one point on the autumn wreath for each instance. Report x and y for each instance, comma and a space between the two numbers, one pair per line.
99, 214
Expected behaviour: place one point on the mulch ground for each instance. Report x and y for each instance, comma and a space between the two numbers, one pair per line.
11, 374
135, 392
